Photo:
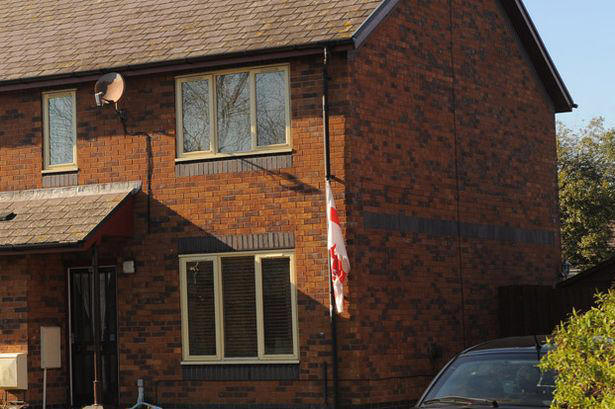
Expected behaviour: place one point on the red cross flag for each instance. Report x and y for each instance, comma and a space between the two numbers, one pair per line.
340, 265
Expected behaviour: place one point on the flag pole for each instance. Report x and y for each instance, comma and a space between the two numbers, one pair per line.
325, 112
332, 312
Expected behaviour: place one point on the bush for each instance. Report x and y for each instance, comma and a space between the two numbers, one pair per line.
586, 178
584, 358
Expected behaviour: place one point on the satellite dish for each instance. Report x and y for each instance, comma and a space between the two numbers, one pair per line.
109, 89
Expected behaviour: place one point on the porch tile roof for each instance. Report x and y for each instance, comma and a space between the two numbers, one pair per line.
47, 37
58, 217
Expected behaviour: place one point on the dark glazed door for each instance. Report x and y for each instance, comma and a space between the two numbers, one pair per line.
82, 338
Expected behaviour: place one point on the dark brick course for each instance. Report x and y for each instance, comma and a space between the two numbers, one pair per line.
245, 242
234, 165
436, 227
256, 372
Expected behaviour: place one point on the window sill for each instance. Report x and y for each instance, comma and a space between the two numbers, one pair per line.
63, 169
218, 156
242, 362
252, 162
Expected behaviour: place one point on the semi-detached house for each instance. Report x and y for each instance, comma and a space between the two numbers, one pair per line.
204, 215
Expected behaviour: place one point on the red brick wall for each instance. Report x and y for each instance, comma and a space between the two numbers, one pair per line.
230, 203
20, 140
33, 294
13, 309
394, 102
47, 306
422, 133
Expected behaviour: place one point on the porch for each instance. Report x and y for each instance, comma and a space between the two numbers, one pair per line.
59, 250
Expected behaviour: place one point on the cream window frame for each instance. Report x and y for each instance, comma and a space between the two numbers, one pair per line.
183, 281
219, 358
213, 128
179, 81
260, 317
63, 167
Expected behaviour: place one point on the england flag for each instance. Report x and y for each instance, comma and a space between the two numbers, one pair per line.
340, 265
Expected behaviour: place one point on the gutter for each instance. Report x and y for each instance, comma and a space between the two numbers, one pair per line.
43, 248
214, 60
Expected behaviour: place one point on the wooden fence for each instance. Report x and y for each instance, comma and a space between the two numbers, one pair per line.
537, 310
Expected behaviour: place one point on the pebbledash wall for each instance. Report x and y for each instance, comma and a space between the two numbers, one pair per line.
444, 177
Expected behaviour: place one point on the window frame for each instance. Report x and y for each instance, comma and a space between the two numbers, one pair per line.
219, 358
213, 105
62, 167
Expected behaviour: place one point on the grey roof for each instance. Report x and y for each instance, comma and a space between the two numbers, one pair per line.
48, 37
58, 217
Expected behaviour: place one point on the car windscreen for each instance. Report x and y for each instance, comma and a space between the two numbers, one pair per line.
512, 379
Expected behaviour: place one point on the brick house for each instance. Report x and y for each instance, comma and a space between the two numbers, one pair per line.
441, 119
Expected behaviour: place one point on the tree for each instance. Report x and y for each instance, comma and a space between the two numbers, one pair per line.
586, 178
584, 358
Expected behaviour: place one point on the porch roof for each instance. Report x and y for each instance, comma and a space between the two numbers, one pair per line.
67, 218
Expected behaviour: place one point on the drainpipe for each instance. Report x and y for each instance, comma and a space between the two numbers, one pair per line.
332, 313
325, 112
457, 177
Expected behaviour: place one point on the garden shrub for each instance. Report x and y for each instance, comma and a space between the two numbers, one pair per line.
584, 358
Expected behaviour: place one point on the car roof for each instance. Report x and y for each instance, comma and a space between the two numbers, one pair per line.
509, 345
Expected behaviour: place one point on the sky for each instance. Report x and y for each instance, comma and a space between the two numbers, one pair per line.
580, 37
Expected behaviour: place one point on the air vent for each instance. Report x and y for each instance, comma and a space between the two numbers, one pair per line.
6, 216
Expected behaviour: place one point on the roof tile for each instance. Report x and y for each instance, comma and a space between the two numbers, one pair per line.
46, 37
58, 215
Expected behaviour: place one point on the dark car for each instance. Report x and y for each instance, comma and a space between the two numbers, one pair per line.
501, 373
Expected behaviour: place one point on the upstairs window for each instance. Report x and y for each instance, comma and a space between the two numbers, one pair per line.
239, 308
59, 131
233, 113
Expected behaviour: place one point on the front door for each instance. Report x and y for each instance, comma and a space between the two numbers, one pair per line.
82, 336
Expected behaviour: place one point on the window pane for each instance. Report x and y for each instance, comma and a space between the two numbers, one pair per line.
271, 108
201, 307
233, 99
195, 115
238, 288
277, 306
61, 131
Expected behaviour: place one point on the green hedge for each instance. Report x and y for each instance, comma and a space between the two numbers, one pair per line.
584, 358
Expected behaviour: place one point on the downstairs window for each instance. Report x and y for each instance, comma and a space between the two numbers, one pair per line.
239, 308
